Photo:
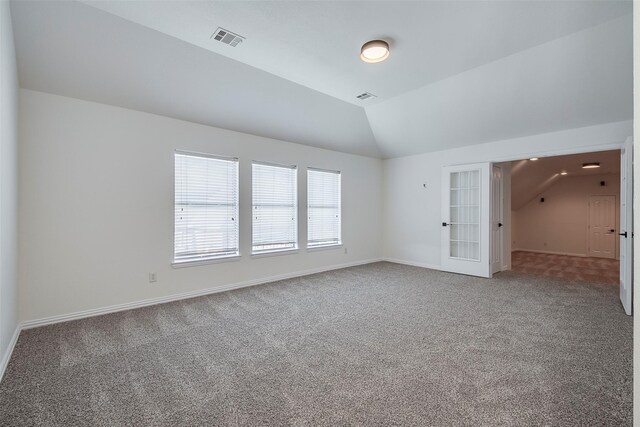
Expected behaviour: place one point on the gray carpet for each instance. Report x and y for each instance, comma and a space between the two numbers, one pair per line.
381, 344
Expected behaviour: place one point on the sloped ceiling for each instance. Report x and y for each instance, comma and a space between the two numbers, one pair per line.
578, 80
531, 178
460, 73
72, 49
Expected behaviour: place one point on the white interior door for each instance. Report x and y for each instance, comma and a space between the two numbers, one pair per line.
466, 219
626, 226
602, 226
496, 219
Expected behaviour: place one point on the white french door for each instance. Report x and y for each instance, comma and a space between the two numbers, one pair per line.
626, 226
466, 219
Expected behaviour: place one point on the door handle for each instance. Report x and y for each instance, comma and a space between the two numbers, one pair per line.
444, 224
624, 234
612, 230
499, 224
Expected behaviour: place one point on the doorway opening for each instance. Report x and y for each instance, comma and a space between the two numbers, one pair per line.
565, 216
568, 215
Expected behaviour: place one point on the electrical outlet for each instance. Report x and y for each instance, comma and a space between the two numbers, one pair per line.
152, 277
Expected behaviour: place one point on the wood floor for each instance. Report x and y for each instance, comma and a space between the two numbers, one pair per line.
598, 270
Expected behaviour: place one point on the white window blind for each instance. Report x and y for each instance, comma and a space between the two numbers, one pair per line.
274, 207
206, 207
324, 208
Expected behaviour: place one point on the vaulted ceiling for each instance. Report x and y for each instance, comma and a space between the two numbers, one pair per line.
459, 73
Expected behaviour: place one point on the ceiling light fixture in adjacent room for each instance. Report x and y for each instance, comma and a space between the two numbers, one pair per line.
533, 159
591, 165
374, 51
563, 173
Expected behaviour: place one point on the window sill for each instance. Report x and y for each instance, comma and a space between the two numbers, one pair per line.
228, 258
274, 253
324, 247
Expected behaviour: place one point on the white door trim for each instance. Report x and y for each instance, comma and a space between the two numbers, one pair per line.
626, 226
497, 224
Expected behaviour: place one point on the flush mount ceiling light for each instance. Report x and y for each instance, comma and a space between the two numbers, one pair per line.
563, 173
374, 51
591, 165
533, 159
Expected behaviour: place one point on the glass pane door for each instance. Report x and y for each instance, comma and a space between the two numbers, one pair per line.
464, 208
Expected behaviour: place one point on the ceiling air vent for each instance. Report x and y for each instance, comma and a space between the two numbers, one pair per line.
366, 95
227, 37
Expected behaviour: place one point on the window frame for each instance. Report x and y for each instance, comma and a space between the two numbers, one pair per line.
210, 259
340, 242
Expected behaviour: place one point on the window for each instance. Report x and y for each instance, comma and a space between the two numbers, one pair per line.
324, 208
206, 207
274, 207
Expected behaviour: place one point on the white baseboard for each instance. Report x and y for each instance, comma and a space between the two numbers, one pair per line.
414, 263
549, 252
28, 324
7, 354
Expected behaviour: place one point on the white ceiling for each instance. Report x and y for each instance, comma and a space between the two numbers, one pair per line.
530, 178
71, 49
459, 73
582, 79
316, 44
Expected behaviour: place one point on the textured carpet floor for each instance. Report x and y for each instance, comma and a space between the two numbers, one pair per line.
381, 344
599, 270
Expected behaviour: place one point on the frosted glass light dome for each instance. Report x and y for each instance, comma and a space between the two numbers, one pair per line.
374, 51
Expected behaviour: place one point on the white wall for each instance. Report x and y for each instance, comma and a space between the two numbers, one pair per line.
8, 182
96, 205
559, 225
411, 213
